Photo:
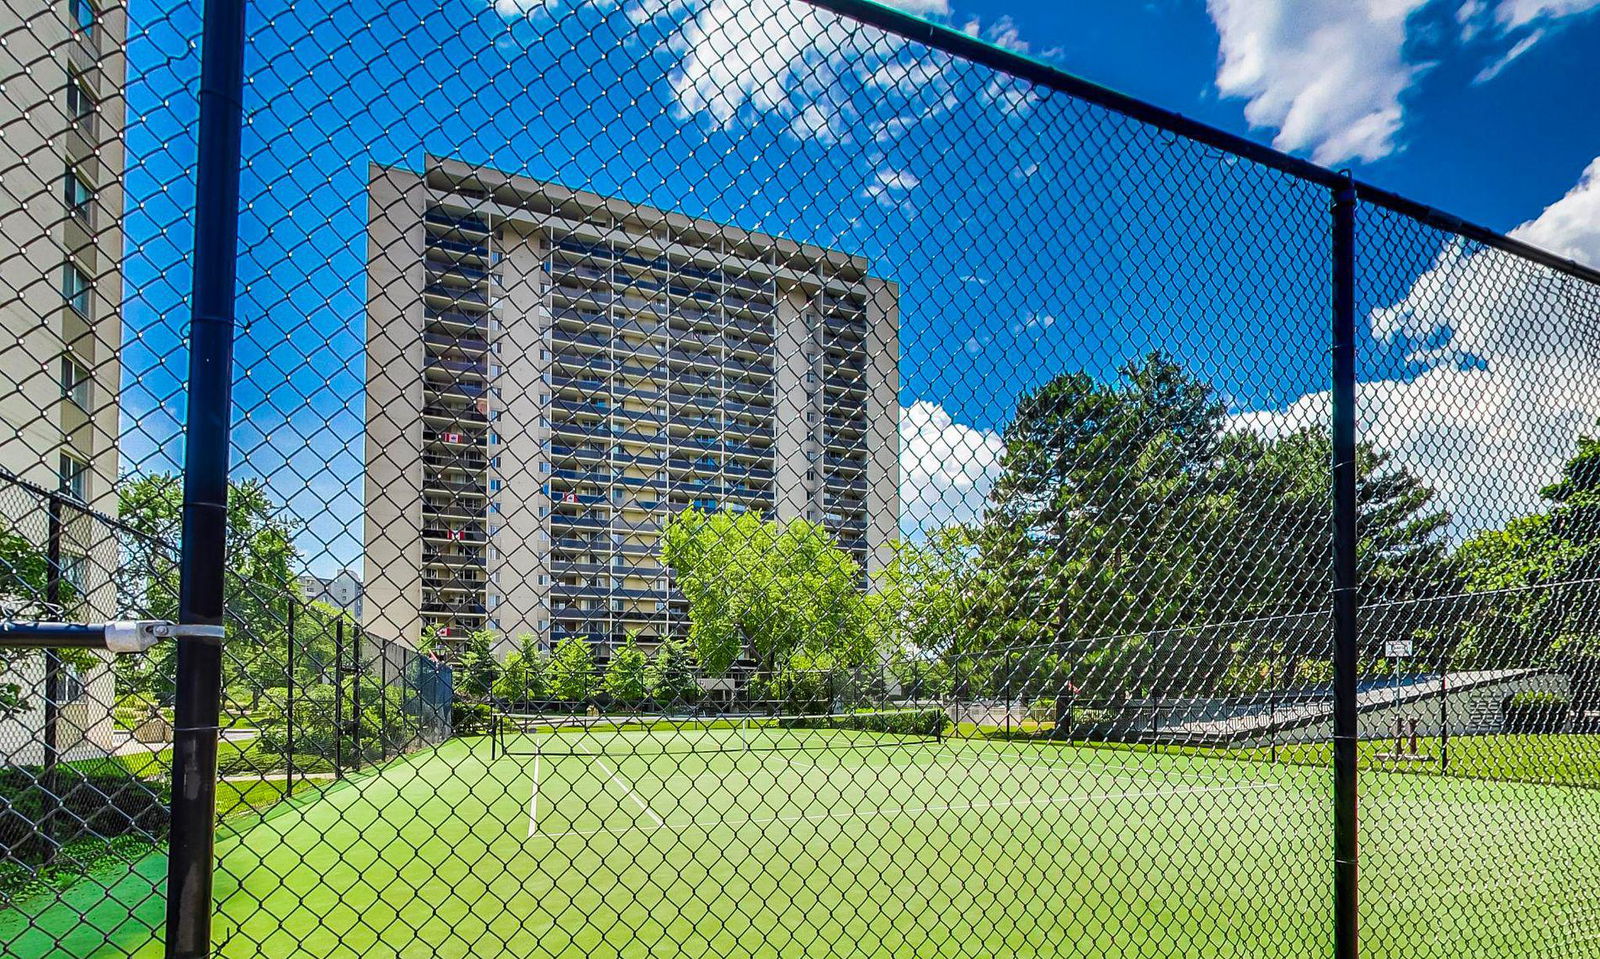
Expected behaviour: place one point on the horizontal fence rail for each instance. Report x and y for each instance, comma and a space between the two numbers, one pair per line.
734, 478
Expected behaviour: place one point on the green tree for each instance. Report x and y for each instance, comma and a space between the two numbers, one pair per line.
625, 680
572, 671
1537, 574
1130, 522
523, 678
258, 582
670, 677
477, 667
764, 590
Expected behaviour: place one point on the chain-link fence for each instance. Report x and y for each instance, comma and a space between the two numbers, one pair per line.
755, 478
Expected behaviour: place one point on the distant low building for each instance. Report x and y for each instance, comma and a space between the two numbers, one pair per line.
342, 590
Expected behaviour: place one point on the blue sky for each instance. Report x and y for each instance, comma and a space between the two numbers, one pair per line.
1029, 234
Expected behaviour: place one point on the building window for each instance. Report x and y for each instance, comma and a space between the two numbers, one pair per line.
544, 624
83, 16
80, 102
78, 195
75, 382
75, 573
74, 476
75, 288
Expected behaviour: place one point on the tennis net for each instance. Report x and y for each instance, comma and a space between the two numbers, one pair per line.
525, 734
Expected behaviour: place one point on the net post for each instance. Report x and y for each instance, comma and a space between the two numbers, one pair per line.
1345, 583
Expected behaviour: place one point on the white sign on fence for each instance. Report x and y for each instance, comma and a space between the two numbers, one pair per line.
1397, 648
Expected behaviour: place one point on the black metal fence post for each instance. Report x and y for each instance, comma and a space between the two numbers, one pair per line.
52, 662
288, 704
355, 700
1345, 585
338, 698
205, 485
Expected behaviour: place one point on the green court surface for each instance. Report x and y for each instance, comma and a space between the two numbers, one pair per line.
653, 844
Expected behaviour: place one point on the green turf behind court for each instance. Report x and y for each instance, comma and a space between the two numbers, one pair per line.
1010, 849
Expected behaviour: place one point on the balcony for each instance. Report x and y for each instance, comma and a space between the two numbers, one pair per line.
461, 414
579, 452
588, 319
435, 482
457, 320
471, 391
452, 559
469, 464
457, 246
466, 344
460, 223
565, 337
584, 362
454, 609
459, 367
563, 521
467, 512
452, 585
576, 295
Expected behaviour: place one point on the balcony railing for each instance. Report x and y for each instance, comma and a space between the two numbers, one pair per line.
465, 414
454, 222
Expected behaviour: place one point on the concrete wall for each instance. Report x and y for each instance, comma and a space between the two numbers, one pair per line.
392, 559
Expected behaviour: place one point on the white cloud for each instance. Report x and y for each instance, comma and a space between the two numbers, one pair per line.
814, 69
1513, 377
891, 187
1518, 13
1505, 60
946, 469
1328, 74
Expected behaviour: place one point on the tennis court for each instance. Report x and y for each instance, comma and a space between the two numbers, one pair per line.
708, 841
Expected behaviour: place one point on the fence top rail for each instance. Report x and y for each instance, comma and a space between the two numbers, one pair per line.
1023, 67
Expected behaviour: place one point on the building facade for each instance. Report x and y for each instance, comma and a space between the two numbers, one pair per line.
62, 75
342, 590
552, 374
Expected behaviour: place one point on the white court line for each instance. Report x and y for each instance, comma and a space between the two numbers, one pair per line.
627, 790
533, 801
901, 810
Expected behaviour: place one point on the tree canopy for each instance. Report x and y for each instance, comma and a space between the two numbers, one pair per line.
764, 590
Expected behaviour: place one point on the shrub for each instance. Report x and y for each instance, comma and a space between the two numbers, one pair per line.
91, 803
899, 722
470, 718
1535, 711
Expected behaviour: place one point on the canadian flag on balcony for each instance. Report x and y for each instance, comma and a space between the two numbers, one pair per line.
570, 498
455, 534
452, 437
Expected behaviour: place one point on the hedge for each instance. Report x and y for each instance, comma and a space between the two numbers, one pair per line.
899, 722
1536, 711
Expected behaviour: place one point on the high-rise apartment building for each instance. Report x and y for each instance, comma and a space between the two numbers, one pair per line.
62, 72
552, 374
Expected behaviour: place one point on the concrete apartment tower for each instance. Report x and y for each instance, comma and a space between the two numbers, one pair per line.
62, 71
551, 374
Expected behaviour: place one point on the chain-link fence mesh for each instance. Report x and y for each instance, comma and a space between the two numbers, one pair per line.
716, 478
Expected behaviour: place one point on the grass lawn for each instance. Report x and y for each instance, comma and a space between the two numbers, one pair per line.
652, 845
